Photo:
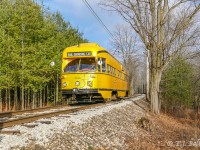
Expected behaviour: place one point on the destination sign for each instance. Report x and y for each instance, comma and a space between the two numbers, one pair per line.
71, 54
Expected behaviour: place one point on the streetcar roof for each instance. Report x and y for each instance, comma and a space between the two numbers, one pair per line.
84, 47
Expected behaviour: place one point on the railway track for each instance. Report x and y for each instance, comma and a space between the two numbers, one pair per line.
26, 118
14, 113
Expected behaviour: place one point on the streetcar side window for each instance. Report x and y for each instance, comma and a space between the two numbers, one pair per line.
111, 70
119, 74
103, 65
114, 72
99, 64
108, 67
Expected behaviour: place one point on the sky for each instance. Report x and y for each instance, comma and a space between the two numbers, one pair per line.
78, 14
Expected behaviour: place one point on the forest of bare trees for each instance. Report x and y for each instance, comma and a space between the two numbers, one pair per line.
167, 29
125, 48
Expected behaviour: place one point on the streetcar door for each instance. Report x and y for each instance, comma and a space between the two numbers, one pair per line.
101, 65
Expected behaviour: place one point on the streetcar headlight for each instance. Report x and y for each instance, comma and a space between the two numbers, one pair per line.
77, 83
64, 84
89, 83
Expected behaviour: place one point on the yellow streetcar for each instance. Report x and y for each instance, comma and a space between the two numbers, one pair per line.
91, 74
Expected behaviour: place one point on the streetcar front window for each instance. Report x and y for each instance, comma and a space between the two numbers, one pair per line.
81, 65
87, 65
72, 66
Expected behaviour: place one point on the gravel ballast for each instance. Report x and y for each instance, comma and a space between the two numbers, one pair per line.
104, 127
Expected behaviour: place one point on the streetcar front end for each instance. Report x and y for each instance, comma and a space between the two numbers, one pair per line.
79, 79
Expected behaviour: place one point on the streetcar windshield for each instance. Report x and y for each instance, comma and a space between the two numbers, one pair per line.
81, 65
72, 66
87, 65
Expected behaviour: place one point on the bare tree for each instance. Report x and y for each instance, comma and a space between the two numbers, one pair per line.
165, 29
196, 62
126, 48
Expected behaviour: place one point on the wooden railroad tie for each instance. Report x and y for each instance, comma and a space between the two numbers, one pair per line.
30, 125
13, 132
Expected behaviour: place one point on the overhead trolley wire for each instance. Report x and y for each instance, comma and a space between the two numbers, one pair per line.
97, 17
100, 21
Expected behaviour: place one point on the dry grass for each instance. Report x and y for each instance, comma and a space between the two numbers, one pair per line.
168, 132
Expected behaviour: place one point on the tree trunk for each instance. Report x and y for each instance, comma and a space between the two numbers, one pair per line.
47, 97
154, 90
6, 100
36, 100
131, 87
33, 101
28, 98
25, 99
0, 101
147, 76
15, 99
9, 101
41, 98
22, 98
57, 89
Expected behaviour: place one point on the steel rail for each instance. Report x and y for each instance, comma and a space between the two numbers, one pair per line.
13, 113
9, 123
